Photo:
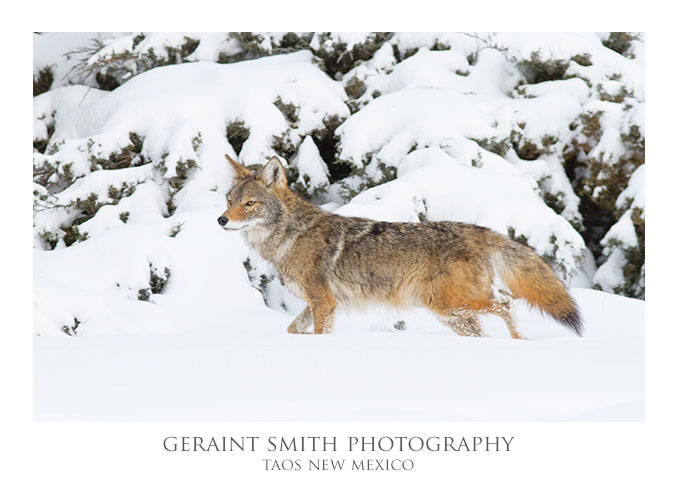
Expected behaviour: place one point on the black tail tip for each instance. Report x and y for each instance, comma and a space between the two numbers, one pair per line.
573, 320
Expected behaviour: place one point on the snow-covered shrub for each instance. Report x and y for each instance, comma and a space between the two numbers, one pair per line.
237, 134
537, 70
43, 81
308, 171
57, 55
107, 61
603, 145
264, 279
111, 62
623, 270
156, 283
607, 148
340, 52
242, 46
622, 42
73, 181
335, 53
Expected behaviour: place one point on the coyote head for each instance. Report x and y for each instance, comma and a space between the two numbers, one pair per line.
254, 200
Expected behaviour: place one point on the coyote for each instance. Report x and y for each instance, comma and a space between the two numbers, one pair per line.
457, 270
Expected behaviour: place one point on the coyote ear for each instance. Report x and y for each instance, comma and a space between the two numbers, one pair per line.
240, 170
273, 174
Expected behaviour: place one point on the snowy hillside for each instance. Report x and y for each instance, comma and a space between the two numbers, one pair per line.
537, 136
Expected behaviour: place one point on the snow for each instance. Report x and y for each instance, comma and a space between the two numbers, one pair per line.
347, 38
311, 166
633, 195
610, 274
259, 372
213, 343
623, 232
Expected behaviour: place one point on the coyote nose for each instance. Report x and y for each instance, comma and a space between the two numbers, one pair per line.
222, 220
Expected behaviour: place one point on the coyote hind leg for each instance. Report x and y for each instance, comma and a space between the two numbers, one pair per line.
503, 309
465, 320
464, 323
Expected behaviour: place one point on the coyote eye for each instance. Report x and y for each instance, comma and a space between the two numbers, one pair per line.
250, 203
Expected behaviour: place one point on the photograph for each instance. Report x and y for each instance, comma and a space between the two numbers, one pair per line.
338, 227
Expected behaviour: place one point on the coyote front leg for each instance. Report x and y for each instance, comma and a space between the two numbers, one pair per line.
302, 322
323, 308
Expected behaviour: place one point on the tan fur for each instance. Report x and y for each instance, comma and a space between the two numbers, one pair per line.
237, 213
454, 269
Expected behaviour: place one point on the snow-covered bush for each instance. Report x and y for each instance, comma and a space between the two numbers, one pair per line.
113, 61
537, 136
623, 271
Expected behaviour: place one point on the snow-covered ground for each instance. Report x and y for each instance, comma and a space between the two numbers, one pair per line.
255, 371
144, 309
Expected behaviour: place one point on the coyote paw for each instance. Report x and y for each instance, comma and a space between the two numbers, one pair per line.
292, 329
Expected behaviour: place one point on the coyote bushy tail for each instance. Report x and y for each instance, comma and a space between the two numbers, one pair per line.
527, 276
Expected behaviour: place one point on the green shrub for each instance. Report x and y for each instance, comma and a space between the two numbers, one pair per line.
536, 69
237, 134
619, 42
156, 284
43, 81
